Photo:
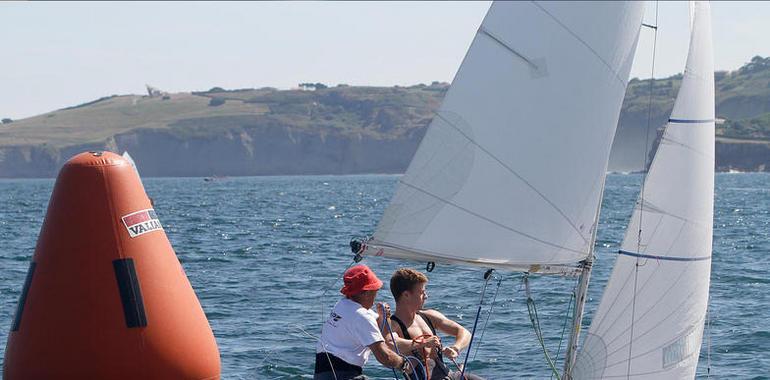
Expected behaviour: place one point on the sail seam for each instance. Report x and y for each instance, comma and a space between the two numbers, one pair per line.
657, 210
490, 220
641, 354
612, 70
664, 258
677, 143
615, 301
644, 315
510, 170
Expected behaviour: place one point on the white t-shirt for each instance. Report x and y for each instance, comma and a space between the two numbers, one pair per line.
349, 331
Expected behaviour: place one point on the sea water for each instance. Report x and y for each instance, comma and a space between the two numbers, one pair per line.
264, 255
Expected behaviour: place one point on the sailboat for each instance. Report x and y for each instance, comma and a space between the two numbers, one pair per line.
130, 160
650, 320
510, 176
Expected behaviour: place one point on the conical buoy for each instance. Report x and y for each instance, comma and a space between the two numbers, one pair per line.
105, 296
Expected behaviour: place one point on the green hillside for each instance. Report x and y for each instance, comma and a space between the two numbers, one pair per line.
742, 99
374, 111
340, 129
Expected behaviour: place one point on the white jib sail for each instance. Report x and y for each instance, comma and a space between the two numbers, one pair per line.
511, 169
130, 160
649, 323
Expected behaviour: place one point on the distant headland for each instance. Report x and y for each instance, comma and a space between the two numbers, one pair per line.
323, 129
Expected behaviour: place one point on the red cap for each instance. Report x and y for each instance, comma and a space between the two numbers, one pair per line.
358, 279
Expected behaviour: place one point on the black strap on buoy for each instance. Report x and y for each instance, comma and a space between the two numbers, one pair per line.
23, 297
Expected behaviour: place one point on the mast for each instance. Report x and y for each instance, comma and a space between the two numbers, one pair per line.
577, 317
580, 296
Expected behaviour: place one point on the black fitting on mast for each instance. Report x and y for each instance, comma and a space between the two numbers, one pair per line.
357, 247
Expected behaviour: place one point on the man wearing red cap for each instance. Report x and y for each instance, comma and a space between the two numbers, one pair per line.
352, 331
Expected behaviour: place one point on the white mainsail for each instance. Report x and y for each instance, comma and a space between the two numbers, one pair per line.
511, 170
650, 320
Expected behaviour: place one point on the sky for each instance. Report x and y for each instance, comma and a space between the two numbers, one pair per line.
58, 54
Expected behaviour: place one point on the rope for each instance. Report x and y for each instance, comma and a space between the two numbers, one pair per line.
421, 340
708, 341
564, 325
323, 316
385, 323
414, 371
535, 320
334, 373
487, 276
393, 338
491, 307
641, 193
326, 289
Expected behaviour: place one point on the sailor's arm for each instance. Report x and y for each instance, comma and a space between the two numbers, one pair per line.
386, 356
406, 346
461, 334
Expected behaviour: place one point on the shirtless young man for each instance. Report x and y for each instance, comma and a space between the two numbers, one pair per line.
411, 321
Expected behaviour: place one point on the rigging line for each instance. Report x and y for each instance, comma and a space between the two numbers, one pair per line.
535, 320
491, 307
708, 339
647, 130
323, 294
594, 52
487, 276
633, 316
503, 226
385, 322
573, 298
326, 351
641, 193
522, 179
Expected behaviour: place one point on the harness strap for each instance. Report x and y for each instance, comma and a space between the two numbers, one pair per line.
440, 365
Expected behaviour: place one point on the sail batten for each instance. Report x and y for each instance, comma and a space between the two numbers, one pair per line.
649, 322
510, 170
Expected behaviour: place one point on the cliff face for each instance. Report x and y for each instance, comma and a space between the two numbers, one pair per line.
270, 150
742, 101
742, 156
260, 149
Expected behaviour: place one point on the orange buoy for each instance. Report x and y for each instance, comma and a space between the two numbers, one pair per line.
105, 296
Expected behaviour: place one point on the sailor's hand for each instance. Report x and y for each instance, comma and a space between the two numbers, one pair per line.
430, 342
380, 307
383, 305
451, 352
406, 367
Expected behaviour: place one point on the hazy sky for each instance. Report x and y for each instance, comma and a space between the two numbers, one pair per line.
61, 54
